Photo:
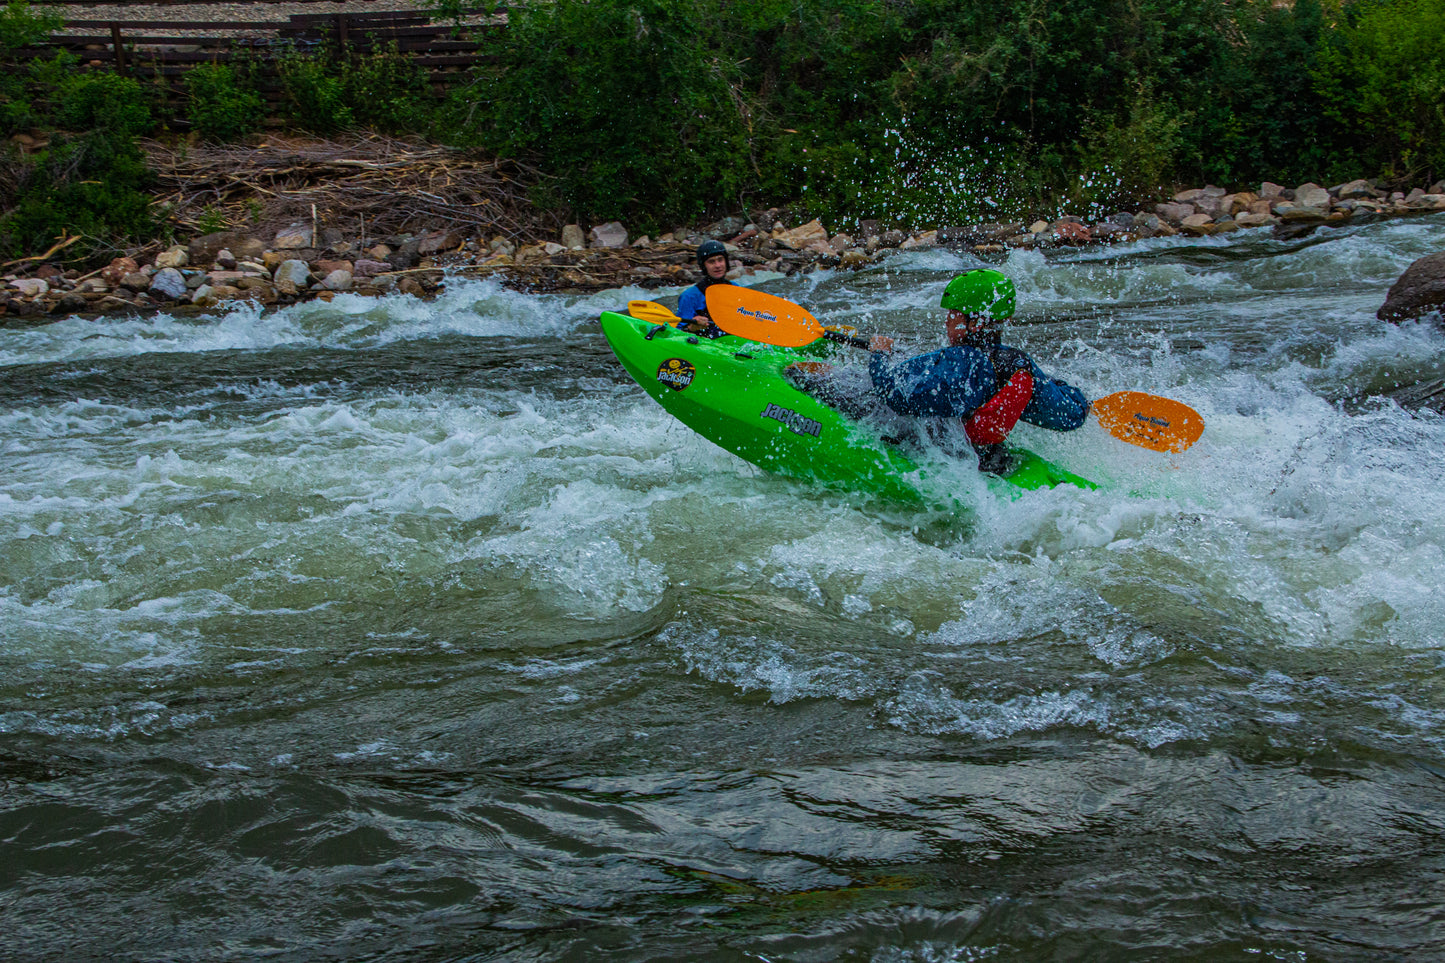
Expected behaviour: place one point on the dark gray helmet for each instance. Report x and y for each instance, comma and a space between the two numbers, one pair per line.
709, 249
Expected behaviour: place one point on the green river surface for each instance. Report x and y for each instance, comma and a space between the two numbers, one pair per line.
413, 631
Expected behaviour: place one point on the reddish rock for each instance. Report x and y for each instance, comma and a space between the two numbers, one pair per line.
118, 268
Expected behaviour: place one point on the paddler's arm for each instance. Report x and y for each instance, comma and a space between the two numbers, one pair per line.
1055, 404
880, 371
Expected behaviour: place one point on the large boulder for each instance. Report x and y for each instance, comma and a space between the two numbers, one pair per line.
1420, 290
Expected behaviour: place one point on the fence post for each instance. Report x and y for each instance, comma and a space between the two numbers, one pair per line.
119, 45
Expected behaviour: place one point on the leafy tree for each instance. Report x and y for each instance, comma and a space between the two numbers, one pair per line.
1382, 75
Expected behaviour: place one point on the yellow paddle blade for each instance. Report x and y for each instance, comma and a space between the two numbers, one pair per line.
651, 311
759, 316
1149, 421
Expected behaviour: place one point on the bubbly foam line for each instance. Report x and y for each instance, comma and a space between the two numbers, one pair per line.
469, 307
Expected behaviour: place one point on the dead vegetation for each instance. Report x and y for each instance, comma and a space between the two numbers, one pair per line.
365, 185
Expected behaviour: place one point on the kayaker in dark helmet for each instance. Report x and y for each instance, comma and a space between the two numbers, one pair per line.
988, 384
712, 258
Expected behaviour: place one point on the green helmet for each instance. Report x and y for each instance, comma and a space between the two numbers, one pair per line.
984, 291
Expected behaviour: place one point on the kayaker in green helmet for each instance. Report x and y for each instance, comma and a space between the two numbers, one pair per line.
988, 384
712, 258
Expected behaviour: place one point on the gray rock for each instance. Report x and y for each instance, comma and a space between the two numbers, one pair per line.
1311, 195
168, 283
175, 257
337, 280
611, 234
367, 268
69, 303
438, 241
1355, 191
292, 276
402, 260
1420, 290
292, 238
1210, 204
31, 287
573, 238
726, 227
1174, 212
1295, 211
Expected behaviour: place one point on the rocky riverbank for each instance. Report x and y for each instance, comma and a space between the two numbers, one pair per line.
308, 260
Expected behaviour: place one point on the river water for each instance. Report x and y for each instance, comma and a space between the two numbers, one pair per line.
391, 630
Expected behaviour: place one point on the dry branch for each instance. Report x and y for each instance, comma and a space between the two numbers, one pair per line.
382, 184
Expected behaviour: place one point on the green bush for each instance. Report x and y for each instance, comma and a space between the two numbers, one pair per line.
93, 184
22, 26
315, 91
387, 91
220, 105
91, 178
103, 102
627, 103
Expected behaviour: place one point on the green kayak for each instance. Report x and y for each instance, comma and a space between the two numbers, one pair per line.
738, 394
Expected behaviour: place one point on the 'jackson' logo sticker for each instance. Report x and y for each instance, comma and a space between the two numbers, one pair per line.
800, 424
676, 373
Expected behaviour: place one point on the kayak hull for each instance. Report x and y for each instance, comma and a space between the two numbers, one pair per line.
734, 392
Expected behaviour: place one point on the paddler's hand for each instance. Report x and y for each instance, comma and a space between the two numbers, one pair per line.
880, 342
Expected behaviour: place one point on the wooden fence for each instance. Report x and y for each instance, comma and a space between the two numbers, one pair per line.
162, 51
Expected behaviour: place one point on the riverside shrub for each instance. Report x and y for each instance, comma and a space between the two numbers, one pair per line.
90, 177
221, 106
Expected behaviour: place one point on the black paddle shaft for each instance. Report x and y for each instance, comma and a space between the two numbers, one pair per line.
845, 338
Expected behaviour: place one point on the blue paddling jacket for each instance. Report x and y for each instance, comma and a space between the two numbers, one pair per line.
952, 382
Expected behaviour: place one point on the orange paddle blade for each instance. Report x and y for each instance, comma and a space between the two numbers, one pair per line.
1149, 421
759, 316
651, 311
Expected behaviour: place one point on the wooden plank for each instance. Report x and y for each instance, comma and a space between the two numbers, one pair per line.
256, 25
471, 11
143, 41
